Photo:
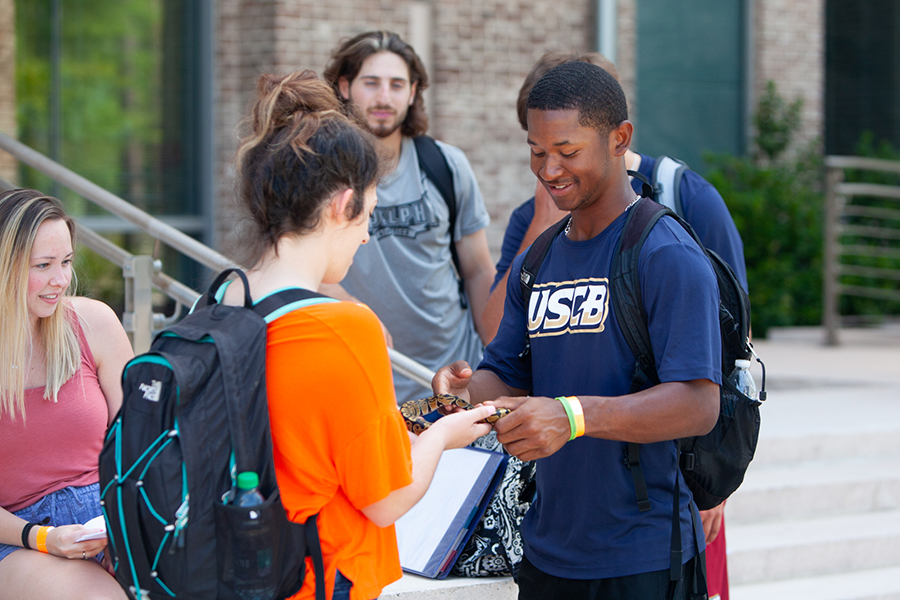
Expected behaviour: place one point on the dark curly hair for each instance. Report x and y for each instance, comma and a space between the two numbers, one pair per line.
547, 62
596, 95
347, 60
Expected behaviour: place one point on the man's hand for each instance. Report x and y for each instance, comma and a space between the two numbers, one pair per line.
453, 379
536, 427
712, 522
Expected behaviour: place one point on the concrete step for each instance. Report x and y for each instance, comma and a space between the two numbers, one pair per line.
813, 489
800, 548
413, 587
821, 446
871, 584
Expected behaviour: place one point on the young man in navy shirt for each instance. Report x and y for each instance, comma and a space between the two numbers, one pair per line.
703, 208
584, 535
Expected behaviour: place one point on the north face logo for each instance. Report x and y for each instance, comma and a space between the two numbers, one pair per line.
579, 306
152, 391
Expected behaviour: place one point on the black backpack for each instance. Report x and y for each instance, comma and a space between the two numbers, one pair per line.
436, 168
194, 414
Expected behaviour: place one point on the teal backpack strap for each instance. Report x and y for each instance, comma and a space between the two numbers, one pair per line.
284, 301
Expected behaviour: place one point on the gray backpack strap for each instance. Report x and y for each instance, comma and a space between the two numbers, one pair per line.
667, 174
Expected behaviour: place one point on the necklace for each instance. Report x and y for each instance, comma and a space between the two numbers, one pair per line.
569, 223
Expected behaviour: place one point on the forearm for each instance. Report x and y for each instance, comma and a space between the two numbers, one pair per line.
666, 411
486, 385
426, 453
478, 289
11, 529
493, 310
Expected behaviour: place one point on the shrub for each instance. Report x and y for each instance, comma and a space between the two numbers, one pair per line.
777, 205
779, 216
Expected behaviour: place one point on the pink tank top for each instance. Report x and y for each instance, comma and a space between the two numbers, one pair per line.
58, 443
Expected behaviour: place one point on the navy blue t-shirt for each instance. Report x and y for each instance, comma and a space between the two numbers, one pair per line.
585, 523
703, 207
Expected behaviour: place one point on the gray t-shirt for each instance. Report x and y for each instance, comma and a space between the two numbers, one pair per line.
405, 273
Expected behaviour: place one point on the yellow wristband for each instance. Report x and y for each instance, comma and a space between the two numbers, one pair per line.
578, 413
42, 539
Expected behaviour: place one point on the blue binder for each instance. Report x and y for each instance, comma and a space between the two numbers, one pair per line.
431, 535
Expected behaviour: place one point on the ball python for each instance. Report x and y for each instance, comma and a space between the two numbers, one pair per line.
414, 411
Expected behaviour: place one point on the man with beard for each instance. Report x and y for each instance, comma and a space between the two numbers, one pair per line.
406, 273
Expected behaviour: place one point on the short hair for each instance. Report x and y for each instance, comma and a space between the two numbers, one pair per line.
587, 88
302, 147
347, 60
547, 62
22, 212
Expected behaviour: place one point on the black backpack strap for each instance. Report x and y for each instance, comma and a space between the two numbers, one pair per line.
633, 463
210, 296
314, 549
667, 174
436, 168
646, 188
629, 308
531, 265
676, 554
625, 287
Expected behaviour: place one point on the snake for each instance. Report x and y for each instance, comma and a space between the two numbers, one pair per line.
414, 411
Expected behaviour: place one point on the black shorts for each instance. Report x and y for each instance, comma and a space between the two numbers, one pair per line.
537, 585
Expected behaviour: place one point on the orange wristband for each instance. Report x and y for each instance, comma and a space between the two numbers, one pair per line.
578, 413
42, 539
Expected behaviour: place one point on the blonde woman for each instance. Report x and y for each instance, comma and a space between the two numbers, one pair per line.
61, 358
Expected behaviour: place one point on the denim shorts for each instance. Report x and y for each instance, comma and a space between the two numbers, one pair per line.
68, 506
342, 587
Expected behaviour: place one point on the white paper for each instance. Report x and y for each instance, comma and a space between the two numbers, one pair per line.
95, 523
420, 531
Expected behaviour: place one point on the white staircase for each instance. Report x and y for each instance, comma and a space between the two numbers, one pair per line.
818, 515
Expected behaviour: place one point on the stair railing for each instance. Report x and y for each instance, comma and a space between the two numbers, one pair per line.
857, 232
142, 274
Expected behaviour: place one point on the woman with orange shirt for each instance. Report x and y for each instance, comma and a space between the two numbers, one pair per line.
308, 175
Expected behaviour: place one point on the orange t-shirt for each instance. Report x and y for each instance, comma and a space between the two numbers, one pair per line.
339, 441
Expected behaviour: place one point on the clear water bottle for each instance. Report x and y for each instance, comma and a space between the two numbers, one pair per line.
248, 489
252, 544
743, 379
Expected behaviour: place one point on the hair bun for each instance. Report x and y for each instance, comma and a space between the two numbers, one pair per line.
281, 97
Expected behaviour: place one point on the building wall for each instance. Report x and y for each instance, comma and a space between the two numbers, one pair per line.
8, 89
789, 49
480, 53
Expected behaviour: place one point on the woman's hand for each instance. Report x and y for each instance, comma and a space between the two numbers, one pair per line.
61, 542
461, 428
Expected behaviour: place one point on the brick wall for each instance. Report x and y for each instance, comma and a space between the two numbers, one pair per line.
481, 51
8, 89
789, 40
626, 52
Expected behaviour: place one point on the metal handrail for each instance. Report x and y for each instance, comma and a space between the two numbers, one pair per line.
158, 230
117, 206
838, 209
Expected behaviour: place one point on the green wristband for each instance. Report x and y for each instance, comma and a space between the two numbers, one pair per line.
568, 407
